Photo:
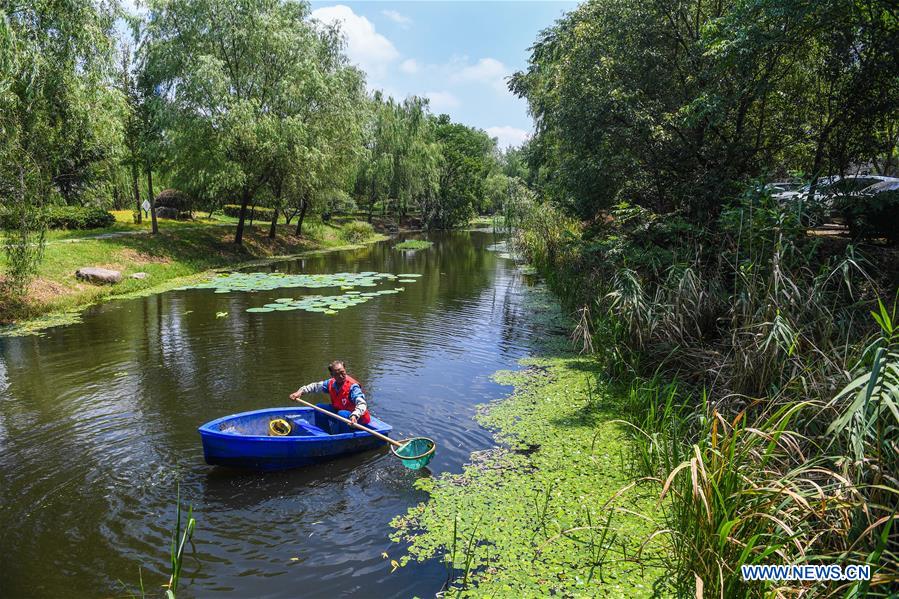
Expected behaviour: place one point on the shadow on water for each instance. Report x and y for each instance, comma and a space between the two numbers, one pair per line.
98, 425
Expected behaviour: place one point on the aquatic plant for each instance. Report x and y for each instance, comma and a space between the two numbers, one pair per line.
325, 304
268, 281
179, 544
413, 244
545, 515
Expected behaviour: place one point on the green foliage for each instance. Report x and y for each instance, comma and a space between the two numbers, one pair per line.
757, 327
65, 217
261, 93
357, 231
673, 107
58, 123
400, 164
253, 213
179, 544
468, 157
872, 216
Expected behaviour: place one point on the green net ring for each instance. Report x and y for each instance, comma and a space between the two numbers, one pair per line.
415, 453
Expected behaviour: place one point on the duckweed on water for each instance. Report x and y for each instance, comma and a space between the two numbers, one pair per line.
542, 515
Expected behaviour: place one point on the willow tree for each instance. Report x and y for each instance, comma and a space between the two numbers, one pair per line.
321, 149
417, 155
375, 176
59, 122
237, 77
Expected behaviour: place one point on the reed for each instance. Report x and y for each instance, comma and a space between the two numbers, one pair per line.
179, 543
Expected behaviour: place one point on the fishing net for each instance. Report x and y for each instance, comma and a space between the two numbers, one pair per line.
415, 453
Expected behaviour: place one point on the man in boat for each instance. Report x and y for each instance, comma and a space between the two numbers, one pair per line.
347, 398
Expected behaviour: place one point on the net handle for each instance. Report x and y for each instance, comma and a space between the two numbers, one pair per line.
351, 423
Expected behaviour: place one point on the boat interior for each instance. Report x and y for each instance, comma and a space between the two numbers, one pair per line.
305, 423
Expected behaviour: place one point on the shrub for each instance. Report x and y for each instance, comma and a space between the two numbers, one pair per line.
871, 216
357, 231
70, 217
173, 198
257, 213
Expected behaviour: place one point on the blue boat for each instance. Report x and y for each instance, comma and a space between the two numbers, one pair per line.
246, 440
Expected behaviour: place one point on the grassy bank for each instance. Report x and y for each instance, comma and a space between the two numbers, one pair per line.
551, 511
180, 250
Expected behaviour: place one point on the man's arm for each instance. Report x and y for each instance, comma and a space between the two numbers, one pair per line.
358, 398
319, 387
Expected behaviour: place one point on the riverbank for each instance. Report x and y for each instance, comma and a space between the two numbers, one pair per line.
179, 254
552, 510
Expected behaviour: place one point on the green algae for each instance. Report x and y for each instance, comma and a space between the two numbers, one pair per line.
39, 325
544, 514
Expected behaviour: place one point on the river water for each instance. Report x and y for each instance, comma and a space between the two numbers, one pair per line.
98, 428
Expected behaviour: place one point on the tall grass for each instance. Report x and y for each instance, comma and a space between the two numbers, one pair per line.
764, 399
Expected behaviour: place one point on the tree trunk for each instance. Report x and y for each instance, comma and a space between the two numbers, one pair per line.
816, 167
244, 200
252, 213
152, 199
271, 231
136, 190
302, 215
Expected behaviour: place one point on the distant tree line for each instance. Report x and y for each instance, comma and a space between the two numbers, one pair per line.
249, 103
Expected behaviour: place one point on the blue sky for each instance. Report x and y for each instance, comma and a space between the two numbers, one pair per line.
455, 53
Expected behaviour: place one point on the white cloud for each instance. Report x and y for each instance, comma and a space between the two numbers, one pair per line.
409, 66
442, 101
508, 136
486, 70
365, 47
401, 20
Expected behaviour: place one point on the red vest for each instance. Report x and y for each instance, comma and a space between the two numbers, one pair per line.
340, 399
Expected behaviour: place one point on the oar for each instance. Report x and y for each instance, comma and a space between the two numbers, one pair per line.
421, 449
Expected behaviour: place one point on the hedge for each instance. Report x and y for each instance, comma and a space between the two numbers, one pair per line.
257, 213
69, 217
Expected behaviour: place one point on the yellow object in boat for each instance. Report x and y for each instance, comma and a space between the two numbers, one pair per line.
279, 427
